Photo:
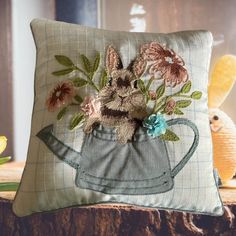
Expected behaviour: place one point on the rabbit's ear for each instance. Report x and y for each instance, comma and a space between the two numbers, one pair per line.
113, 60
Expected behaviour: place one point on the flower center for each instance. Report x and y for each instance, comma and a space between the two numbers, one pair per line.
58, 93
169, 60
158, 74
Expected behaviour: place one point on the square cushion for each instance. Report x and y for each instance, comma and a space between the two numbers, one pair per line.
119, 117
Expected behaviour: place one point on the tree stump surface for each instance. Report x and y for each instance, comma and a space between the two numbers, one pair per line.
109, 220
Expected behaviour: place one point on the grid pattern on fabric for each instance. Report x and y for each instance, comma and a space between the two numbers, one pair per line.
49, 184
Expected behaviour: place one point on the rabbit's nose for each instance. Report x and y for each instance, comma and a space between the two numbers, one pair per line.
121, 97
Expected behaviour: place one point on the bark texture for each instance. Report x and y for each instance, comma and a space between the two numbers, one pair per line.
115, 220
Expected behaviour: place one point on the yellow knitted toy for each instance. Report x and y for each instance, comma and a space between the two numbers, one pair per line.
222, 127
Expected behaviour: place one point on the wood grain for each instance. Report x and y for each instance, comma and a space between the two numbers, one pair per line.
115, 220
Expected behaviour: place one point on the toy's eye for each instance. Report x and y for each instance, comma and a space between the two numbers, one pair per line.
110, 81
215, 117
136, 84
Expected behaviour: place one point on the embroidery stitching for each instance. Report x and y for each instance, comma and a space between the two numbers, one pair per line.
98, 180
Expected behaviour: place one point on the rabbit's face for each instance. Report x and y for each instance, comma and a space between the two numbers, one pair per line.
123, 83
121, 92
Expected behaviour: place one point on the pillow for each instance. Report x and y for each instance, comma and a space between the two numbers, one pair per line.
119, 117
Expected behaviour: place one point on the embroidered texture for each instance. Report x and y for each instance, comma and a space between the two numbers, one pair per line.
122, 103
61, 95
140, 167
155, 124
124, 96
118, 113
165, 62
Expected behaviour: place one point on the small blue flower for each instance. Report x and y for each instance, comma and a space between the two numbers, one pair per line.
155, 124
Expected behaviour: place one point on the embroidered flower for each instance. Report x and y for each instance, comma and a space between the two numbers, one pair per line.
152, 94
91, 106
61, 95
151, 51
170, 106
166, 62
139, 67
155, 124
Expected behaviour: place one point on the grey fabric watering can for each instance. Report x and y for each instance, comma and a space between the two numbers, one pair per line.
138, 167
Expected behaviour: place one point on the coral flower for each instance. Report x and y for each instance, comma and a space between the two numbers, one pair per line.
91, 106
61, 95
152, 94
166, 62
170, 106
139, 67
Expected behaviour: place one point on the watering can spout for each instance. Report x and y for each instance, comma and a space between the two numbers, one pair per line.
61, 150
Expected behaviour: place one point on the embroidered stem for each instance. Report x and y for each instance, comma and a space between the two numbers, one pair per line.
147, 89
181, 95
74, 104
89, 78
161, 104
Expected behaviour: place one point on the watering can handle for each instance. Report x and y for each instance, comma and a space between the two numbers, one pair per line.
192, 149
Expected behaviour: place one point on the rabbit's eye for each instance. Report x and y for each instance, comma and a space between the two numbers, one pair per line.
110, 81
135, 84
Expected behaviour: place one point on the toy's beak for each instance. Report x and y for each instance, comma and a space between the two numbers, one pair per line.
215, 127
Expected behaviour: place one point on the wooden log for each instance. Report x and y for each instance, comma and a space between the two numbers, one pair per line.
115, 220
112, 220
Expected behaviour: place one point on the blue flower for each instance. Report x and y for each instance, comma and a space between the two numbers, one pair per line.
155, 124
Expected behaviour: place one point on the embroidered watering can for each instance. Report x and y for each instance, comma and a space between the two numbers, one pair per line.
138, 167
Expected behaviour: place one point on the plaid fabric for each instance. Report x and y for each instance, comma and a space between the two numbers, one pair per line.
49, 183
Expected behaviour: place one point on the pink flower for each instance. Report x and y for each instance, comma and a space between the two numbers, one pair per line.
139, 67
151, 51
91, 106
170, 107
152, 94
166, 62
61, 95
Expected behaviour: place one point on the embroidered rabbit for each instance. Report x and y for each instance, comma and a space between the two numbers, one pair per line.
122, 104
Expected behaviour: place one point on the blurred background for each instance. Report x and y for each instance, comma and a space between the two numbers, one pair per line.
17, 50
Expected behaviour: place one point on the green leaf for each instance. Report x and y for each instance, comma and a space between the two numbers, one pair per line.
141, 86
4, 160
78, 82
61, 113
86, 63
186, 88
169, 136
183, 103
96, 62
78, 99
196, 95
103, 79
148, 97
178, 112
63, 60
160, 91
9, 186
63, 72
149, 83
76, 120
